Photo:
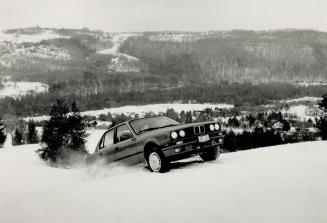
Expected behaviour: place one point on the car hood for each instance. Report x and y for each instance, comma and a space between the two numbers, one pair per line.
167, 130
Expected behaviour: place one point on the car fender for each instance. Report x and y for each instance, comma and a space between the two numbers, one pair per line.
152, 142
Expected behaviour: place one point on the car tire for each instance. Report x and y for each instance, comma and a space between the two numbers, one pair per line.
157, 161
211, 155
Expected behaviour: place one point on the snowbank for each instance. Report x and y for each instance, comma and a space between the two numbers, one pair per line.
279, 184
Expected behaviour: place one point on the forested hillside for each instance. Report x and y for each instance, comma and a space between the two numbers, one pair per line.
235, 56
99, 69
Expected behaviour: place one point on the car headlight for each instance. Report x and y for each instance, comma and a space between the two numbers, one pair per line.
182, 133
174, 135
217, 126
212, 127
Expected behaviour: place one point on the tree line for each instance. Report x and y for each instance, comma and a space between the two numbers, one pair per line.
245, 94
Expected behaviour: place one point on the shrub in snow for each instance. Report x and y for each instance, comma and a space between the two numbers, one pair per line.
250, 140
2, 133
31, 136
63, 136
18, 137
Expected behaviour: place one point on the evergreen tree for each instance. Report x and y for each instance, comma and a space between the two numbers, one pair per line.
171, 113
286, 125
2, 133
63, 135
76, 131
251, 120
322, 123
230, 142
323, 104
31, 133
182, 117
18, 138
188, 117
233, 122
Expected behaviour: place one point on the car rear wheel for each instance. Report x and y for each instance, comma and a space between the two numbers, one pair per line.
157, 161
211, 155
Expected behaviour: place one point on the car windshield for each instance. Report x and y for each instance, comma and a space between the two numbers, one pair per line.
151, 123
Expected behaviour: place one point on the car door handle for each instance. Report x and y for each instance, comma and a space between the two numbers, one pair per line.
100, 154
116, 149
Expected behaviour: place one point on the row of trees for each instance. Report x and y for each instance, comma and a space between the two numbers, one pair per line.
238, 94
250, 140
26, 134
22, 133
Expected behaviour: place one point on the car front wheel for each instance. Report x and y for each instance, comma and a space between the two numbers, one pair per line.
211, 155
157, 161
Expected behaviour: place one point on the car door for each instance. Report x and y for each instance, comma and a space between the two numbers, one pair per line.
125, 145
106, 147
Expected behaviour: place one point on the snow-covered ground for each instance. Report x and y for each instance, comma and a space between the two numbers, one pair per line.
30, 38
299, 111
117, 41
121, 62
177, 37
93, 138
303, 112
302, 99
21, 88
143, 109
306, 84
279, 184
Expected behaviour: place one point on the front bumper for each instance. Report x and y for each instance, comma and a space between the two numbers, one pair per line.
181, 149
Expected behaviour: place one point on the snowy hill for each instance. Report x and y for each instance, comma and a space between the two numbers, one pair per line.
279, 184
57, 48
294, 56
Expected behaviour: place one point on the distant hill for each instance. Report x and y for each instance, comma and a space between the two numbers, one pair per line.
184, 57
235, 56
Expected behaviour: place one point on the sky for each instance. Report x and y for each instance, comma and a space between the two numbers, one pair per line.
156, 15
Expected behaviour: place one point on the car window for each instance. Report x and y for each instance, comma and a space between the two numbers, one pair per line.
108, 139
150, 123
123, 133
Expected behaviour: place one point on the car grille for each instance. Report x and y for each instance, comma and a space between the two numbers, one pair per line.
199, 129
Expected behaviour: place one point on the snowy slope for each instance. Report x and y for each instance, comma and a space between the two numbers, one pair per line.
120, 62
21, 88
281, 184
